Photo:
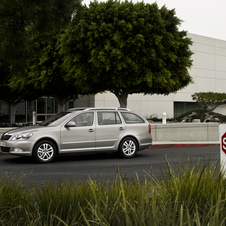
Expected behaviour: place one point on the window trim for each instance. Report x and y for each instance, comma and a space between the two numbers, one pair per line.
131, 113
83, 114
114, 112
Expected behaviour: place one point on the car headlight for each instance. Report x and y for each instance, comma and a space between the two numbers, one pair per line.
24, 136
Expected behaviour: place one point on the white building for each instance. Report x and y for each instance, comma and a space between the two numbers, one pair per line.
208, 72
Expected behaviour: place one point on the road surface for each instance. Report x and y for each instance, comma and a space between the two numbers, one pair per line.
104, 166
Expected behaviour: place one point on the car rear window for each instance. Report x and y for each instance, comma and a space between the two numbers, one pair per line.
131, 118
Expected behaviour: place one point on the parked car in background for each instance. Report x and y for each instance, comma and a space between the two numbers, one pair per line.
80, 130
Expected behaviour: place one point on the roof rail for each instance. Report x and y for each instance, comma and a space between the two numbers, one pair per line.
125, 109
98, 108
107, 108
77, 109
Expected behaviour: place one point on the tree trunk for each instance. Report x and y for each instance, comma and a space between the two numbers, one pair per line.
122, 98
60, 107
12, 113
60, 104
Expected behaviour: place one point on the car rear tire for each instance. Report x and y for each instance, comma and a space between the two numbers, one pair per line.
128, 147
44, 151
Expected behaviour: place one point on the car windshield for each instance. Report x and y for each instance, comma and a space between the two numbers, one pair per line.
56, 119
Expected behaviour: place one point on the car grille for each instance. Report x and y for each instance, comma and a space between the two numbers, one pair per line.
5, 137
4, 149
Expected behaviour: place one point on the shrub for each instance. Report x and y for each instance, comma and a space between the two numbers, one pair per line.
190, 194
201, 114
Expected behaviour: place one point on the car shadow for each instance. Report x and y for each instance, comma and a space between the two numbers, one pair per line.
71, 158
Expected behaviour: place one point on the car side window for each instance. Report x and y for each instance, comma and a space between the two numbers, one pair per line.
131, 118
85, 119
108, 118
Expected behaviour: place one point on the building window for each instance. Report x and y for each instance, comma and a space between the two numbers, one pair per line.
44, 108
184, 107
4, 112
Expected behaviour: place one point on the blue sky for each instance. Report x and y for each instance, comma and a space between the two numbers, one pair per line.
202, 17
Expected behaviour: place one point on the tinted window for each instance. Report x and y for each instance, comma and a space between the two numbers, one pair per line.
108, 118
85, 119
131, 118
56, 119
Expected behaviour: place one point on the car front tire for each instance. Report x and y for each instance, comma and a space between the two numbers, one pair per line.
44, 151
128, 147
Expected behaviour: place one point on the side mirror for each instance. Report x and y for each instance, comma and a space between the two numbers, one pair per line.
71, 124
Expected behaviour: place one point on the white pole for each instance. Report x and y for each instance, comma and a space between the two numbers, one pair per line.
34, 117
164, 118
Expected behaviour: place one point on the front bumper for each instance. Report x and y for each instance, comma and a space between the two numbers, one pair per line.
21, 148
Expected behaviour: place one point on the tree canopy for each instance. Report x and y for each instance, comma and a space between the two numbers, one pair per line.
210, 100
126, 48
17, 16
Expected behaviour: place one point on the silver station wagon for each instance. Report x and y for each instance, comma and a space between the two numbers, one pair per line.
80, 130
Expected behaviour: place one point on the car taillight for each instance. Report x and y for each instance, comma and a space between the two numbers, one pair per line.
149, 128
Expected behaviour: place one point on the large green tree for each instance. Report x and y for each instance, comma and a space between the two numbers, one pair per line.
44, 64
20, 22
126, 48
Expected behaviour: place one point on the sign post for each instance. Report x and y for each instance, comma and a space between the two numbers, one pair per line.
222, 129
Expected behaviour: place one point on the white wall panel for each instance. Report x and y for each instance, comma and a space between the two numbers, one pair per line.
185, 97
205, 48
205, 73
205, 61
221, 43
221, 51
221, 85
205, 40
220, 75
155, 108
205, 85
220, 63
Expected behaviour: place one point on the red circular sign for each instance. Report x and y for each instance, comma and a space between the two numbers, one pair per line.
223, 143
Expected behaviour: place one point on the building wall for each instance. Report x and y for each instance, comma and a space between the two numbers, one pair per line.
208, 72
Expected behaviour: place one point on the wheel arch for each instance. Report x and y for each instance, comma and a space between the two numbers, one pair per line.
48, 139
130, 136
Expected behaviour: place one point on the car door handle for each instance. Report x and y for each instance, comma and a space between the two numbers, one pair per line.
121, 128
91, 130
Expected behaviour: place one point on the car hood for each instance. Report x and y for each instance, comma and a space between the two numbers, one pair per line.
26, 129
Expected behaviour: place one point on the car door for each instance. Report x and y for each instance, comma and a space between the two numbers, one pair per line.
109, 130
80, 137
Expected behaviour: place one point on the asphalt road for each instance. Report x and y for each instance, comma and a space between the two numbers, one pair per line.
105, 166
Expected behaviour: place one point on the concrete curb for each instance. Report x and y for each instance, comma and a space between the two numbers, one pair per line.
184, 145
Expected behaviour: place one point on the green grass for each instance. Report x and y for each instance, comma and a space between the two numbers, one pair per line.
190, 194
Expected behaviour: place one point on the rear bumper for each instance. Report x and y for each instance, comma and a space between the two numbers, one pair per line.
145, 146
145, 143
